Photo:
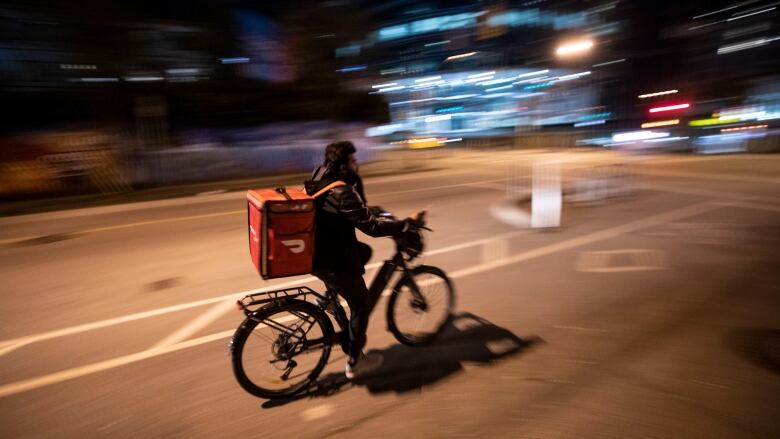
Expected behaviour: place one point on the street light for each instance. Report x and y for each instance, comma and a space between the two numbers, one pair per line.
574, 47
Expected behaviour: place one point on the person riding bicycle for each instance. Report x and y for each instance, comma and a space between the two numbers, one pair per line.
339, 257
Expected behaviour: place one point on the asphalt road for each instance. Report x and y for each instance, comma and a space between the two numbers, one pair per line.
651, 313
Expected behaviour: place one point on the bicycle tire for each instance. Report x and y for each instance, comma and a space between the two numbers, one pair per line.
247, 327
395, 299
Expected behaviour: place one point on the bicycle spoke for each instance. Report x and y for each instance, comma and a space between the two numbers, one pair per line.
278, 355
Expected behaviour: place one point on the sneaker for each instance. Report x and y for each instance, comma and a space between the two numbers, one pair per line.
366, 363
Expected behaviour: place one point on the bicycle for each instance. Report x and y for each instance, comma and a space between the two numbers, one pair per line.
300, 333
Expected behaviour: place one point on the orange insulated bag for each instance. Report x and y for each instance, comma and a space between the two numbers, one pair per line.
281, 230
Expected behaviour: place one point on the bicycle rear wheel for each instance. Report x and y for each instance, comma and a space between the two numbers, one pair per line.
280, 350
416, 319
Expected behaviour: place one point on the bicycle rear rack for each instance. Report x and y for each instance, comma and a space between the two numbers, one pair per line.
253, 302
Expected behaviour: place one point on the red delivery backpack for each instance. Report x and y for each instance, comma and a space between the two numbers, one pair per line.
281, 230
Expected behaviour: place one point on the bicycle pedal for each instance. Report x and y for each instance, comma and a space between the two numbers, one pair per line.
290, 366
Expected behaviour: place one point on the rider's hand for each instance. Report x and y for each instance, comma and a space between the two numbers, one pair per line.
417, 222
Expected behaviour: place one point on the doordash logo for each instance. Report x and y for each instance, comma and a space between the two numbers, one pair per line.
295, 245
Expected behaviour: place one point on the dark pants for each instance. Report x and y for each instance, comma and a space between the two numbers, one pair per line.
352, 288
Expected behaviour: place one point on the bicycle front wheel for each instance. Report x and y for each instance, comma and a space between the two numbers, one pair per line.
420, 306
280, 350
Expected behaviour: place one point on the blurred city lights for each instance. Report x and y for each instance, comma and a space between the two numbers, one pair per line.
659, 93
744, 46
538, 72
352, 69
98, 79
536, 86
430, 78
719, 10
660, 123
385, 90
638, 135
590, 122
669, 108
743, 114
576, 47
236, 60
387, 84
752, 127
712, 121
752, 13
667, 139
498, 88
463, 55
143, 78
572, 76
438, 118
609, 62
181, 71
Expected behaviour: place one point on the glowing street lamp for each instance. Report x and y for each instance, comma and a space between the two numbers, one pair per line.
574, 48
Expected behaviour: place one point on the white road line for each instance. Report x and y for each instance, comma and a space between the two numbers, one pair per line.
16, 343
708, 193
703, 176
146, 314
318, 412
65, 375
234, 212
194, 199
76, 372
611, 232
754, 206
195, 325
578, 328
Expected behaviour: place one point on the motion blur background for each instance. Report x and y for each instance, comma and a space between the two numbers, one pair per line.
109, 96
602, 177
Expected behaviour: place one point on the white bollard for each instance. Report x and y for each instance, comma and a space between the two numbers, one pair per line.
546, 196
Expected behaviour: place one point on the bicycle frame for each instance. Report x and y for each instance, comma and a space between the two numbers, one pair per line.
382, 278
253, 303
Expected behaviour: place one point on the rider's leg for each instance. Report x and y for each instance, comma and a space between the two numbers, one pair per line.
353, 289
365, 252
331, 282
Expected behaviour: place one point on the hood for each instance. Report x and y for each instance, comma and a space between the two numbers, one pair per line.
320, 178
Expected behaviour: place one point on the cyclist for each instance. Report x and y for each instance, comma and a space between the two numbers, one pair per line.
339, 258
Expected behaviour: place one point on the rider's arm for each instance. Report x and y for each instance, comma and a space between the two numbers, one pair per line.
352, 207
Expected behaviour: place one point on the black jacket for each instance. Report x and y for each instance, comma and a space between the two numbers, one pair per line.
338, 213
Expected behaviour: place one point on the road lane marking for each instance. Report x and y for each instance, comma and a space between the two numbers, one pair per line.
232, 212
128, 225
590, 238
195, 325
319, 412
747, 205
610, 261
12, 344
76, 372
25, 340
194, 199
578, 328
707, 193
703, 176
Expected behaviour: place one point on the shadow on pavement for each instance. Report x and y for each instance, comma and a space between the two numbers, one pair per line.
467, 338
760, 346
